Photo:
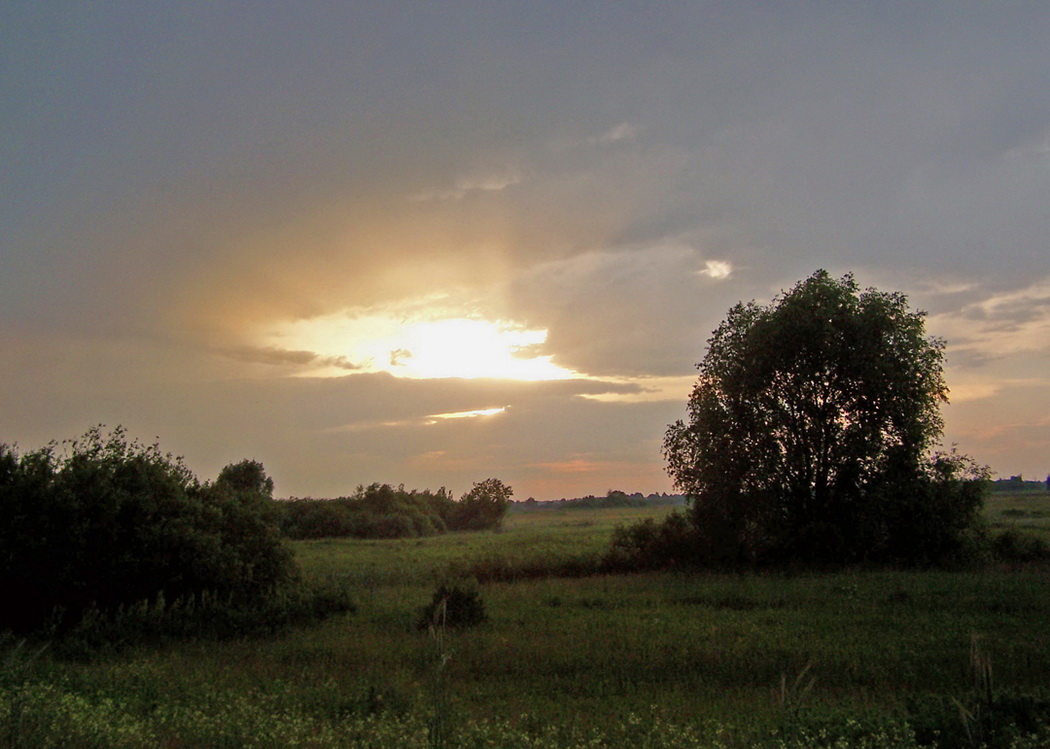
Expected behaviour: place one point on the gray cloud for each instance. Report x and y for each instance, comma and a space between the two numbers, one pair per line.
632, 311
494, 181
585, 180
283, 357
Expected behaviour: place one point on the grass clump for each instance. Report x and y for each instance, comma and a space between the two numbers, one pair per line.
205, 617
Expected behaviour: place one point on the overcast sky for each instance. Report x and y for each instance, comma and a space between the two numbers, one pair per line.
429, 243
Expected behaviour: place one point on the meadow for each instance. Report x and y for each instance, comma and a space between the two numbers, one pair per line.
671, 659
1027, 511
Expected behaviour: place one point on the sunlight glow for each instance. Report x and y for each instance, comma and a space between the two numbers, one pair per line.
471, 414
420, 347
717, 269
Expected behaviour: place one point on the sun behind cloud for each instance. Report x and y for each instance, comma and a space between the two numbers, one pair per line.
421, 347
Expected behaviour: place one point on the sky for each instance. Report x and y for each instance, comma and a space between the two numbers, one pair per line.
432, 243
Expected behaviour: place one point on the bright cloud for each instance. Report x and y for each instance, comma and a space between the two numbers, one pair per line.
717, 269
471, 414
430, 347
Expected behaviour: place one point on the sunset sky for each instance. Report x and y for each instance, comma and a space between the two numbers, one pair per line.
430, 243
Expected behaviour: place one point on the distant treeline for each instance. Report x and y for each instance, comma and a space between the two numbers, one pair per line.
613, 498
1019, 484
383, 511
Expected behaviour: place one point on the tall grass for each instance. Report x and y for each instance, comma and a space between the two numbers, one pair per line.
648, 660
1024, 512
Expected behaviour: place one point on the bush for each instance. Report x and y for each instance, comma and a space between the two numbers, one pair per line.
1014, 546
454, 604
375, 511
933, 518
649, 545
382, 511
111, 524
317, 518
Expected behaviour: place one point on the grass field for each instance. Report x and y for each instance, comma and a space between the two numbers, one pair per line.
653, 660
1025, 511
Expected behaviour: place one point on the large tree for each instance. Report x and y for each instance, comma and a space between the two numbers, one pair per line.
810, 430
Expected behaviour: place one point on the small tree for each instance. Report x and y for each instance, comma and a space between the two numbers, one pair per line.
483, 506
246, 476
810, 427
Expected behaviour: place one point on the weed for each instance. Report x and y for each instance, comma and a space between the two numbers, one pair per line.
790, 698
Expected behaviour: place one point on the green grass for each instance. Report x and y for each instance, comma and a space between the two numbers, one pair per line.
1028, 512
551, 536
656, 660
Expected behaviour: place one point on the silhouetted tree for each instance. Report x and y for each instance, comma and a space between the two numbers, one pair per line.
249, 476
483, 506
810, 428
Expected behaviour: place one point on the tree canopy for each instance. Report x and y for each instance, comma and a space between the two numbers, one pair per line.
810, 430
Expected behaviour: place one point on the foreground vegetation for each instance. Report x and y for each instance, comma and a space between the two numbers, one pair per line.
105, 524
856, 658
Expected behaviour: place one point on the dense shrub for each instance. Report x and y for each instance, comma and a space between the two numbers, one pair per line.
454, 604
1014, 546
375, 511
932, 520
648, 545
110, 523
317, 518
382, 511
